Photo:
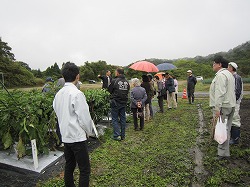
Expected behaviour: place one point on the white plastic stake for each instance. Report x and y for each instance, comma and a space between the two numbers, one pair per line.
93, 125
34, 153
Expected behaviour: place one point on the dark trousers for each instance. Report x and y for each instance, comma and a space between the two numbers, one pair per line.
76, 153
134, 111
190, 92
160, 102
118, 113
58, 133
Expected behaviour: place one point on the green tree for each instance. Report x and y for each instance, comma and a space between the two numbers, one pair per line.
91, 70
5, 51
53, 71
15, 73
37, 73
87, 73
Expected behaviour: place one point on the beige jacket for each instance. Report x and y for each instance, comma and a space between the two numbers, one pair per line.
222, 90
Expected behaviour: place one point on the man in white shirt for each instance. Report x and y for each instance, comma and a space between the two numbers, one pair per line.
75, 125
222, 99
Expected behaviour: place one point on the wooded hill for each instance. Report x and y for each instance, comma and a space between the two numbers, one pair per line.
203, 65
17, 74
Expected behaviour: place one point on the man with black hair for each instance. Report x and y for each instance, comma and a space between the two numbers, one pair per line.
106, 79
222, 99
119, 89
235, 129
75, 125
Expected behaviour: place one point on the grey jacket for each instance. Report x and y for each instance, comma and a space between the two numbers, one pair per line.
138, 93
238, 87
222, 90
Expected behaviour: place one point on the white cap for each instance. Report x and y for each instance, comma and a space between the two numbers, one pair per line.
233, 64
189, 71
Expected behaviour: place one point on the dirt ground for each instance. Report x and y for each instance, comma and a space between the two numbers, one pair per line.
245, 126
243, 161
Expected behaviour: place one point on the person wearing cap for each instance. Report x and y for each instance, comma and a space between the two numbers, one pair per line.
191, 82
48, 84
235, 129
222, 99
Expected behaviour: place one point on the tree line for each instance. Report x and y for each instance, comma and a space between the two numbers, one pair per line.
17, 73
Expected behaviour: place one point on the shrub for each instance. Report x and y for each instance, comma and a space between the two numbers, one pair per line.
29, 115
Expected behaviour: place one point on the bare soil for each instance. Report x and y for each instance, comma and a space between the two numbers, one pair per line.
245, 124
15, 177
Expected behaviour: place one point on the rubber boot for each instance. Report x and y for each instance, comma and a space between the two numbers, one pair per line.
235, 135
189, 100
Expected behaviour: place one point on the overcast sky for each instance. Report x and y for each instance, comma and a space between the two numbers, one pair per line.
121, 31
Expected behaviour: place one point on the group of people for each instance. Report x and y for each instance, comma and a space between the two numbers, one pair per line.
226, 92
76, 124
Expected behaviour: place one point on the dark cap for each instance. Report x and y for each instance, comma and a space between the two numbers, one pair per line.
49, 79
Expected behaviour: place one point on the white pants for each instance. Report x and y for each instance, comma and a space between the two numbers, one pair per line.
236, 117
171, 100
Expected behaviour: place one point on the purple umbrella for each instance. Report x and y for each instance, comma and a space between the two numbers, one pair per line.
166, 66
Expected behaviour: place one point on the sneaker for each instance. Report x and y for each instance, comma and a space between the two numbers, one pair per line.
60, 147
233, 142
116, 138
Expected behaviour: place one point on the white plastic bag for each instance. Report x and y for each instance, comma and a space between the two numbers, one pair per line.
220, 134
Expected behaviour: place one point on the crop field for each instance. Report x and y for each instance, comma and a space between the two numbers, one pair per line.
163, 154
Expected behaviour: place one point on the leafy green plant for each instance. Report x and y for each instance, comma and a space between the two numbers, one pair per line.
29, 115
98, 101
26, 116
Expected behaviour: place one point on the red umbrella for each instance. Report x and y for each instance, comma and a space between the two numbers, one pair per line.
159, 74
144, 66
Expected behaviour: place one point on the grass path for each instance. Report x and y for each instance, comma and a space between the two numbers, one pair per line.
161, 155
